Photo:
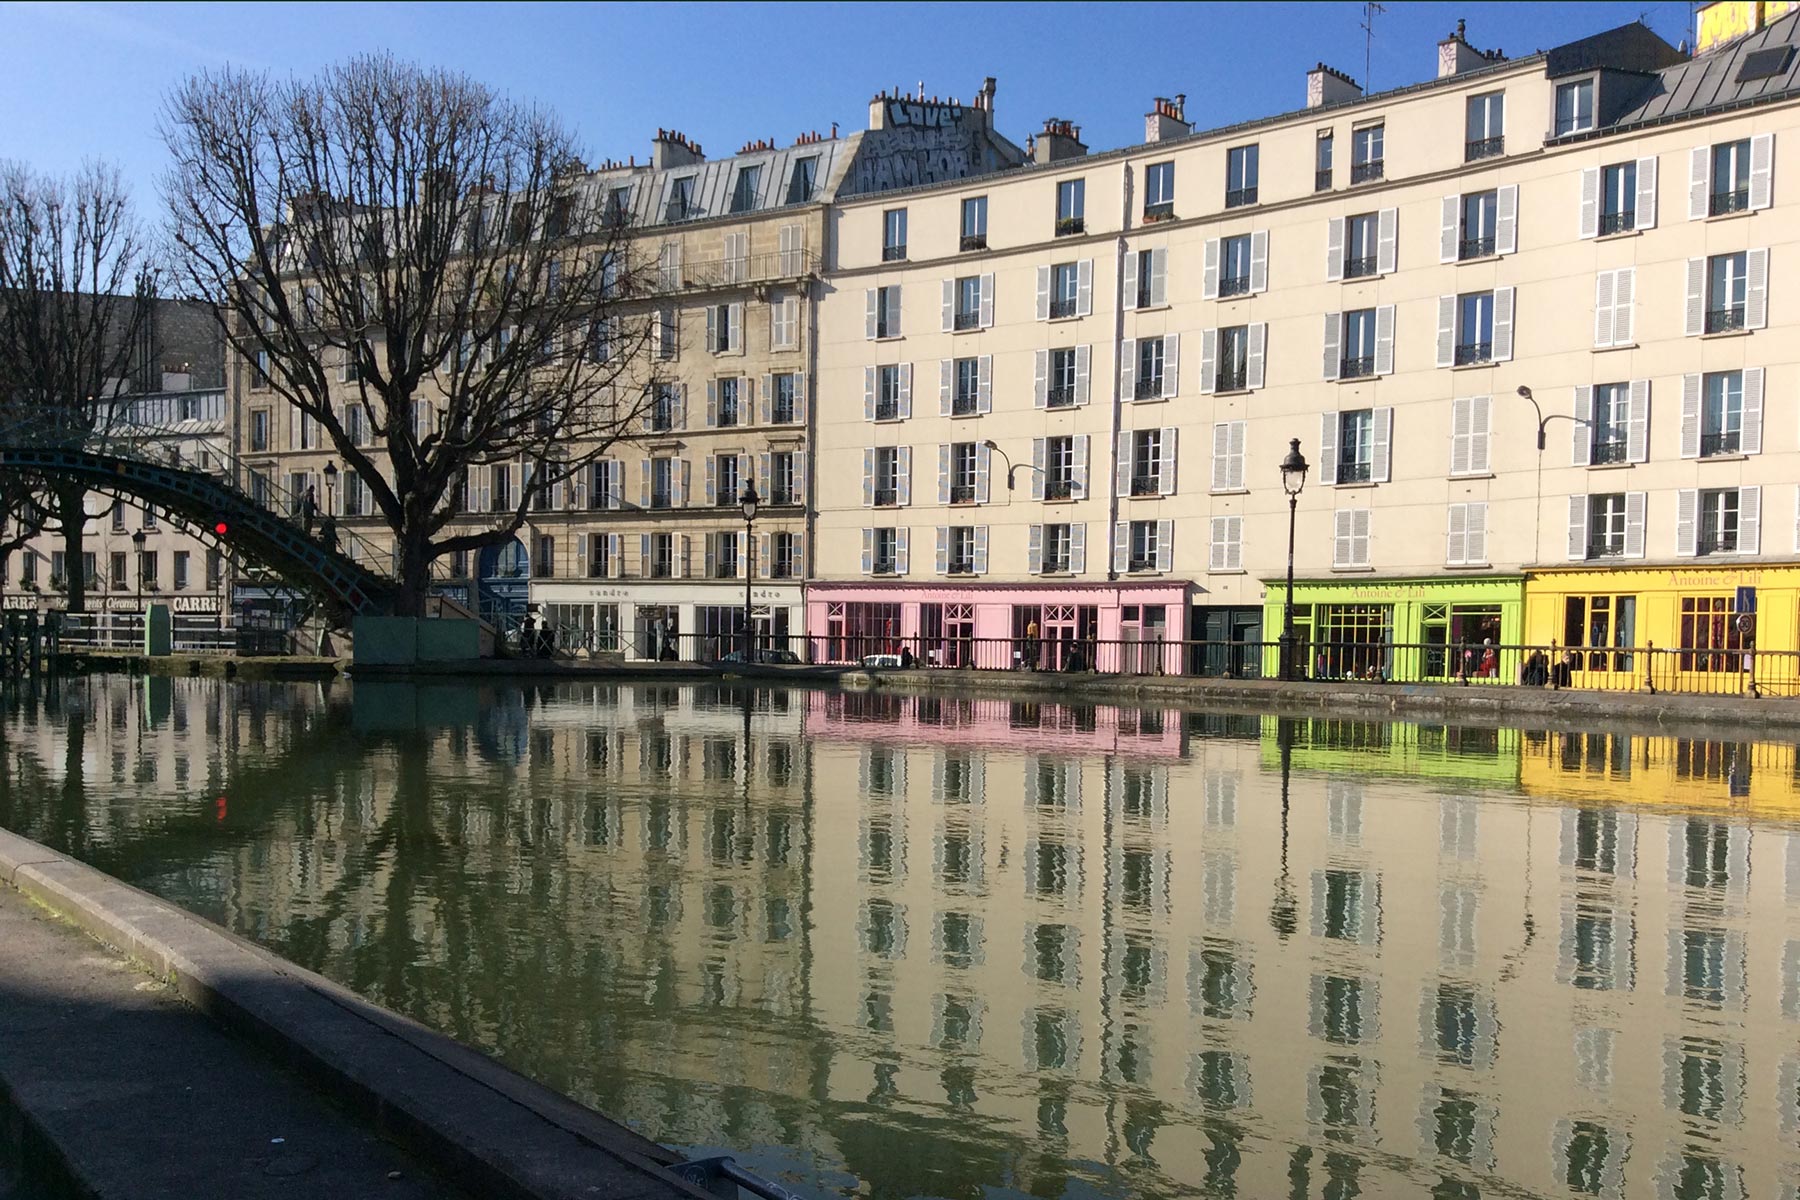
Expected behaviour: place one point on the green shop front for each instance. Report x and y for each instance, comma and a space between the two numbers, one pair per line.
1400, 629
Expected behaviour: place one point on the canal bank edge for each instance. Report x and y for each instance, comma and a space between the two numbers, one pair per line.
472, 1118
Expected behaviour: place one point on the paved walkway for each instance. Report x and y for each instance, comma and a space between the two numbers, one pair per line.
142, 1097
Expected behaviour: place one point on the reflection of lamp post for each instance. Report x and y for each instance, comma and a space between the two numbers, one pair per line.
1293, 478
1284, 912
331, 474
137, 540
748, 502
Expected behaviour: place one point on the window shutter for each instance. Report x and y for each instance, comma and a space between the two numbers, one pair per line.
1209, 272
734, 337
1750, 439
1476, 528
712, 403
1259, 338
1165, 545
1121, 547
1359, 533
790, 250
615, 484
1234, 542
615, 555
1221, 463
1235, 479
1384, 340
941, 562
1503, 324
893, 310
1456, 539
1043, 293
1460, 420
868, 551
1217, 550
1762, 163
1637, 422
905, 391
1081, 375
868, 478
765, 482
1687, 511
1334, 249
1381, 452
984, 465
870, 314
1699, 181
1079, 467
868, 393
1634, 524
946, 386
1588, 224
1581, 439
712, 474
681, 406
712, 329
1077, 548
903, 475
1449, 228
1122, 464
799, 397
1446, 331
1040, 458
1084, 288
1756, 289
1034, 551
1695, 319
948, 307
1334, 345
1578, 515
712, 552
1209, 361
1624, 296
644, 559
765, 409
986, 313
1387, 241
1342, 531
1481, 410
984, 384
981, 549
1130, 279
1645, 216
1159, 278
1171, 384
687, 557
1128, 364
1040, 386
1690, 416
902, 551
1603, 309
684, 471
1259, 261
643, 478
1328, 431
1749, 520
1165, 467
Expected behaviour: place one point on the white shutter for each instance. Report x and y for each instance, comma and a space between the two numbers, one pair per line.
1449, 228
1043, 293
946, 386
1456, 538
1687, 521
1446, 331
871, 314
1578, 515
986, 316
1603, 309
1334, 344
1130, 279
1381, 453
1040, 387
1079, 468
1342, 535
1387, 241
1589, 223
1334, 249
1259, 261
1084, 288
893, 310
1481, 409
1694, 322
1756, 289
1209, 271
1328, 433
1690, 416
1081, 375
1460, 420
712, 403
1122, 464
1749, 520
1259, 336
903, 475
1762, 163
940, 562
1645, 216
734, 340
981, 549
712, 329
902, 551
1581, 437
1699, 181
1239, 435
1359, 532
1171, 384
984, 465
1121, 547
1034, 551
1506, 219
1165, 546
712, 475
1637, 422
615, 554
643, 490
791, 250
1165, 468
1077, 548
984, 384
1384, 340
1040, 458
868, 478
1209, 361
712, 554
1221, 459
1128, 365
1476, 527
1159, 278
1218, 548
1624, 300
1750, 440
949, 306
766, 406
1634, 524
868, 551
868, 393
644, 555
687, 557
905, 391
1503, 324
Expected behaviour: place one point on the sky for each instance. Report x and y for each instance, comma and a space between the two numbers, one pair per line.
86, 81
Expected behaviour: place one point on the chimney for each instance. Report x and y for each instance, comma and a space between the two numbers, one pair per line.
672, 149
984, 99
1059, 140
1455, 55
1165, 119
1328, 85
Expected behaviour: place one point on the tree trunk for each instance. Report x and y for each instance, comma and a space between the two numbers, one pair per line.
415, 573
71, 505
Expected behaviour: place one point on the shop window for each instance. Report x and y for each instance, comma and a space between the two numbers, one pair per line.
1352, 640
1601, 624
1710, 640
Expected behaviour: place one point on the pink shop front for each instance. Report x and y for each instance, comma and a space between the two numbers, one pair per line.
1132, 628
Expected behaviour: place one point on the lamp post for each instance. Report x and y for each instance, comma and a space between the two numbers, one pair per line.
748, 502
331, 474
137, 542
1293, 478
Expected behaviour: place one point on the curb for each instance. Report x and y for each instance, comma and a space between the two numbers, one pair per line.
475, 1120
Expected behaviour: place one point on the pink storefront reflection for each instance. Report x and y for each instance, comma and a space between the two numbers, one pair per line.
1129, 628
883, 716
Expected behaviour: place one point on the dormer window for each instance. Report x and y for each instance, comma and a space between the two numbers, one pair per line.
681, 199
1574, 107
800, 182
743, 195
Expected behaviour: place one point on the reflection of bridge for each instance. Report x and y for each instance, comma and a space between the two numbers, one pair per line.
120, 461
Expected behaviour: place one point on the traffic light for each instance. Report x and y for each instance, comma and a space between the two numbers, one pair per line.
221, 528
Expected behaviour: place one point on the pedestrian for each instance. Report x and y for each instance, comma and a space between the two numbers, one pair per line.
1490, 659
1031, 644
328, 532
309, 508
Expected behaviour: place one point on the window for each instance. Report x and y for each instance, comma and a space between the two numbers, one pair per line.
1618, 198
1474, 328
1071, 207
1480, 214
1146, 460
1485, 135
1730, 178
661, 564
1599, 623
963, 469
1356, 445
1574, 107
1065, 293
1366, 156
725, 480
147, 572
1159, 191
1145, 546
618, 205
1234, 265
784, 556
1721, 413
1719, 522
543, 558
1061, 385
960, 550
1151, 364
893, 235
1727, 288
181, 570
663, 477
215, 568
28, 568
1240, 176
599, 555
967, 313
1466, 540
884, 304
887, 392
120, 579
728, 411
1146, 279
1358, 359
1056, 550
664, 403
784, 407
800, 183
783, 478
668, 334
1059, 468
259, 370
1233, 371
974, 223
743, 195
681, 199
885, 552
1362, 241
259, 429
118, 515
886, 477
1226, 552
723, 334
1322, 162
965, 397
1611, 424
724, 555
1606, 525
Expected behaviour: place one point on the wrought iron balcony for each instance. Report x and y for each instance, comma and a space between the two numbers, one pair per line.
1366, 172
894, 253
887, 410
1474, 352
1143, 294
1606, 545
962, 493
966, 320
884, 566
1146, 485
963, 404
1613, 450
1322, 180
1354, 470
657, 500
1357, 368
725, 569
783, 494
1059, 489
1056, 564
1162, 211
1484, 148
781, 412
1140, 562
1481, 247
1062, 307
732, 271
1234, 285
1360, 268
1149, 387
1720, 203
1724, 320
1238, 197
961, 566
1719, 443
887, 497
1232, 377
1060, 397
1716, 541
1070, 226
1618, 222
662, 569
973, 241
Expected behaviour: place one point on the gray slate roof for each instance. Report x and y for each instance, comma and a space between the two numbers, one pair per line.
1709, 81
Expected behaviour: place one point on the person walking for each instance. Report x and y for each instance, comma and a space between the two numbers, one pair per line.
309, 509
1031, 644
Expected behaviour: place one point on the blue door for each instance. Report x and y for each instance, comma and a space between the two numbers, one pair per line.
503, 582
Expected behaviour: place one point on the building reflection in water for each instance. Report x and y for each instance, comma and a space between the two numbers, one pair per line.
938, 945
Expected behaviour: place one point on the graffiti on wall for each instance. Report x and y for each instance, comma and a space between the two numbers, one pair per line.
922, 143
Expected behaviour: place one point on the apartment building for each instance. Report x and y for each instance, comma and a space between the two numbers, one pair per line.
1124, 346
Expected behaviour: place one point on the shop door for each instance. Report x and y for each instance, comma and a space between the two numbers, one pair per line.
658, 633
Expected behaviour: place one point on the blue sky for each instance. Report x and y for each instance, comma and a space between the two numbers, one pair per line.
86, 80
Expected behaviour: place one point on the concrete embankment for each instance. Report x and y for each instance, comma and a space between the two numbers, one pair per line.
400, 1093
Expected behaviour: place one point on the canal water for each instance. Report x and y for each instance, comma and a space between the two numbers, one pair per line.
906, 947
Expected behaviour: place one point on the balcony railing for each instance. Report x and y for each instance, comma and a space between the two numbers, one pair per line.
887, 497
1143, 294
1232, 377
1366, 172
1474, 352
662, 569
737, 270
1235, 285
728, 495
1716, 541
725, 568
963, 404
781, 568
1481, 247
883, 566
1149, 387
1606, 545
1613, 450
1357, 368
1070, 226
1719, 443
1484, 148
1322, 180
783, 494
1060, 397
966, 320
1141, 562
1736, 200
887, 410
1162, 211
962, 493
895, 253
973, 241
1061, 307
1618, 222
1360, 268
657, 500
961, 566
1238, 197
1724, 320
1354, 470
782, 413
1056, 565
1146, 485
1059, 489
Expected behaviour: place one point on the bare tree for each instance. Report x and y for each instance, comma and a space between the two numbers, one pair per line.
420, 266
76, 292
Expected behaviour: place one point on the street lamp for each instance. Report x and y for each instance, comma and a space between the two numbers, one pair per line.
331, 474
137, 540
748, 502
1293, 478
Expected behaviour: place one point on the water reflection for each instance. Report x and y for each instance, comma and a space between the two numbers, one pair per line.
953, 947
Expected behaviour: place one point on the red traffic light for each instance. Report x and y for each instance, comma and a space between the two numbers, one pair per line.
221, 528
